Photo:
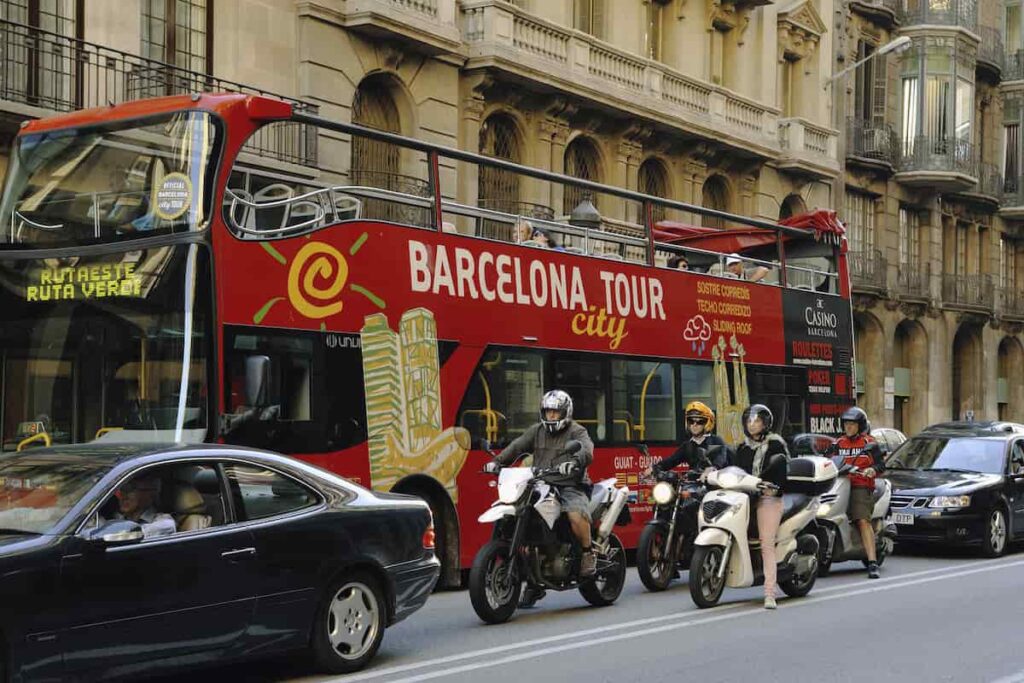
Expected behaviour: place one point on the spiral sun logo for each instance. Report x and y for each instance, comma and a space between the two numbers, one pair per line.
317, 279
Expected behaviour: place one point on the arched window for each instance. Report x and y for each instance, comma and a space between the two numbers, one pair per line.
581, 161
715, 195
653, 180
792, 205
375, 163
499, 189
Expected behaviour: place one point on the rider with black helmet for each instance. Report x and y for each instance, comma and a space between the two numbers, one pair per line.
764, 454
547, 440
856, 447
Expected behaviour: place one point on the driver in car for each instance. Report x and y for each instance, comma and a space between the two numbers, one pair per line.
137, 503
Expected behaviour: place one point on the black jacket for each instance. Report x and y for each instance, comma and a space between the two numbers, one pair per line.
690, 453
773, 463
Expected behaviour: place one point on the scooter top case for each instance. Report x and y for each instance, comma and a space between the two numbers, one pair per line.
810, 475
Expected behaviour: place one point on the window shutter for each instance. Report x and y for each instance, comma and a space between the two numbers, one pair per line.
881, 79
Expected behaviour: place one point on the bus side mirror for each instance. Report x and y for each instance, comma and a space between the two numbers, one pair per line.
257, 380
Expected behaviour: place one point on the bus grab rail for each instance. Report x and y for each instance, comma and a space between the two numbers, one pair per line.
470, 157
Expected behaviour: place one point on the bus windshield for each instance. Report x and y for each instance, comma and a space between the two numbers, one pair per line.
108, 347
107, 183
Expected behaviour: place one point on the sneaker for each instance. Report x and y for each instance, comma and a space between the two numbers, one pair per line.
531, 596
769, 602
588, 564
873, 571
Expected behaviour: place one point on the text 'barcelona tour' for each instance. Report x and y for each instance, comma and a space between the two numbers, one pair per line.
528, 282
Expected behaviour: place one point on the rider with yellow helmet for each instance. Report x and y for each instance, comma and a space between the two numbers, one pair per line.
700, 422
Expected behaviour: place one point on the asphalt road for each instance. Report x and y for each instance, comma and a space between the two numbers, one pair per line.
944, 618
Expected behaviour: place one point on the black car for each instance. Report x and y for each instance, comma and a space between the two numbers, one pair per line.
960, 483
119, 560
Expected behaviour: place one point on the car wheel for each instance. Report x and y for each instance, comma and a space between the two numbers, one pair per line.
994, 542
349, 624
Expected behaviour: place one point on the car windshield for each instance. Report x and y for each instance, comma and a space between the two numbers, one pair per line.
946, 453
37, 490
110, 347
75, 186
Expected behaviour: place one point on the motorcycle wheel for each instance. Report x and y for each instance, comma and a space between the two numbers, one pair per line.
797, 587
494, 583
824, 565
654, 568
705, 585
607, 585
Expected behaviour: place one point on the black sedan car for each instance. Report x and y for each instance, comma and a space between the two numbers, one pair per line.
960, 484
121, 560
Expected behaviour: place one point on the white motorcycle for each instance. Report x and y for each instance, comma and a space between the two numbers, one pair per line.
839, 538
727, 552
533, 544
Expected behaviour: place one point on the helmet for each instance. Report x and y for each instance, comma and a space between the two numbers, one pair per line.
758, 410
855, 414
560, 401
698, 409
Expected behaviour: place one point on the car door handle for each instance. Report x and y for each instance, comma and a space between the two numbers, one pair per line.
238, 555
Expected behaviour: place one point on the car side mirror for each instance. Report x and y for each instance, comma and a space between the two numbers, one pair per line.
116, 533
257, 381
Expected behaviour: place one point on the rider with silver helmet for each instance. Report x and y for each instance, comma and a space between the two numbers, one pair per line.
547, 440
764, 454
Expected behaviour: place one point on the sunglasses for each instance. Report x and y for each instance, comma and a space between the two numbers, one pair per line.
696, 421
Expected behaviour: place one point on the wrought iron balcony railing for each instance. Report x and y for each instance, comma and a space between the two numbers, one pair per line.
947, 154
1013, 191
963, 13
971, 291
60, 74
1011, 302
990, 49
990, 181
866, 140
912, 280
1013, 67
867, 269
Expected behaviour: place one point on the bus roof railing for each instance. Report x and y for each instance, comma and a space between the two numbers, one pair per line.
550, 176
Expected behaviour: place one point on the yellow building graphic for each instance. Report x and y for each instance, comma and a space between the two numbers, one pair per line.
402, 377
729, 409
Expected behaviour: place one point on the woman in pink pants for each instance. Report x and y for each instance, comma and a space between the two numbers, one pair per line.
764, 454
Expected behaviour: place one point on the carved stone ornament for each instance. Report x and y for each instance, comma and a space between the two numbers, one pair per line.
864, 302
800, 29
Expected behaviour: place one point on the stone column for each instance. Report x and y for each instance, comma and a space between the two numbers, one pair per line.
469, 139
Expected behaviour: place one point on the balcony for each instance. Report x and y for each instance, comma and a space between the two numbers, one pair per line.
1013, 66
522, 47
943, 164
990, 182
1011, 303
807, 148
867, 270
430, 24
42, 73
1013, 198
913, 281
961, 13
871, 144
882, 11
973, 292
991, 54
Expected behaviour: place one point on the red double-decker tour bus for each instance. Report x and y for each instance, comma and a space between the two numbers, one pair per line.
159, 281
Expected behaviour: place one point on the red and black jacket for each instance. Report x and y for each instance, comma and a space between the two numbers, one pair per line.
851, 450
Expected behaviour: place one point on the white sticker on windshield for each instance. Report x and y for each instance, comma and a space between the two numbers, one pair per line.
173, 196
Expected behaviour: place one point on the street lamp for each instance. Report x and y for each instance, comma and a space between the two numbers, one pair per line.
895, 46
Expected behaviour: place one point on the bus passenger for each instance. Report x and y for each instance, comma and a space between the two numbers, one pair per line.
679, 262
734, 268
544, 237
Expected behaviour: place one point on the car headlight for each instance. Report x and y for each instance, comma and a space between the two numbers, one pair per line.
663, 493
950, 502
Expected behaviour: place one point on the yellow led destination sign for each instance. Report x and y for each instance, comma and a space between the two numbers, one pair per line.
84, 282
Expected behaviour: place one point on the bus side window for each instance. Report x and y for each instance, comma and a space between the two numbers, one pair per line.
503, 398
583, 378
345, 395
643, 401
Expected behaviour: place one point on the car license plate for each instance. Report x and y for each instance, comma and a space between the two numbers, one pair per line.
903, 518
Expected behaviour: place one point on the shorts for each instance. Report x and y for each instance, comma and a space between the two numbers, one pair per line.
862, 503
574, 500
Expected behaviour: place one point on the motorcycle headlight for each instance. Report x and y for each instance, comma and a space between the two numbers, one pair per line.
825, 510
950, 502
663, 493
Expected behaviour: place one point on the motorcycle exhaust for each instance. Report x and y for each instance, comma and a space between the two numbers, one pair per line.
612, 513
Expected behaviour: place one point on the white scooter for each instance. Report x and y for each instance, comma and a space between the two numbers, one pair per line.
839, 538
727, 552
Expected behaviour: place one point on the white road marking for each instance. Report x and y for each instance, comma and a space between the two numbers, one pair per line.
886, 583
1012, 678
